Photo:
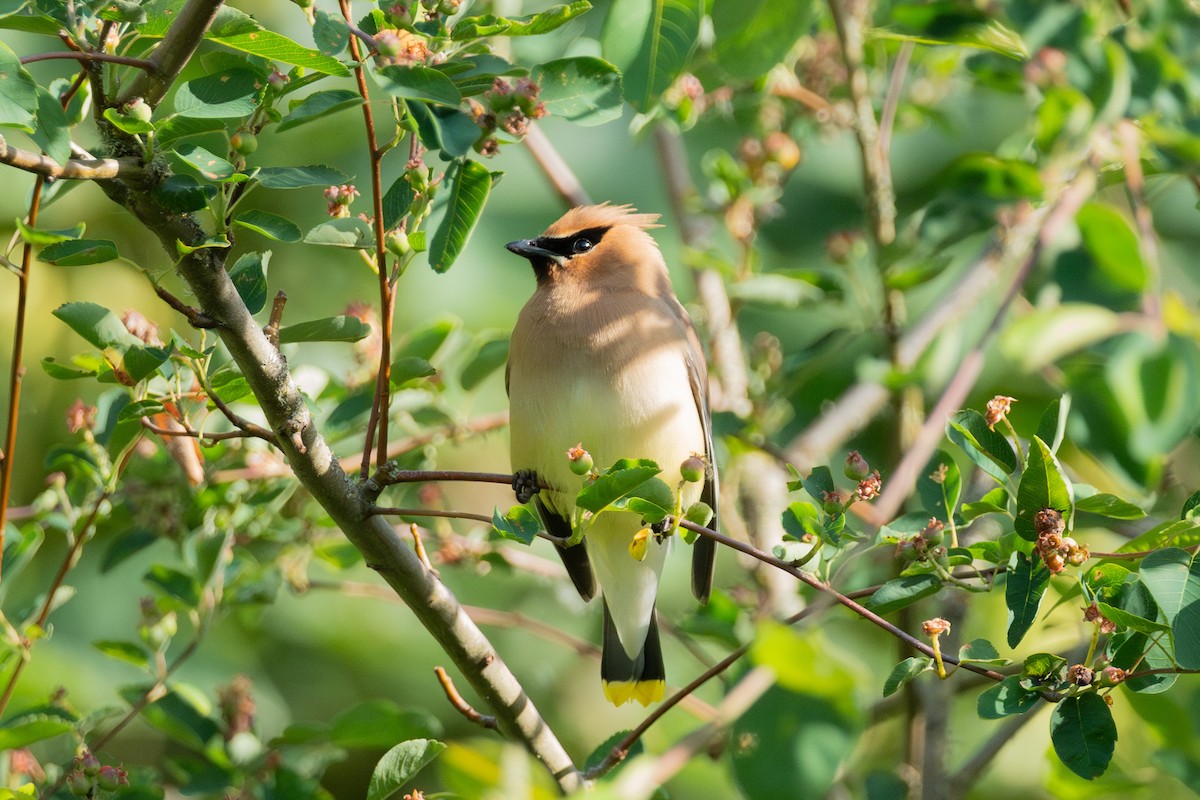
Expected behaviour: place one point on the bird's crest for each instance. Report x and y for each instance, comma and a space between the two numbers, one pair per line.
601, 216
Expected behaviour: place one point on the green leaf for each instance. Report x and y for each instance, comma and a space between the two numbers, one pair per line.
1083, 734
270, 225
62, 372
981, 651
330, 32
752, 36
410, 368
238, 31
25, 730
988, 449
1045, 335
1006, 698
1176, 533
79, 252
42, 237
1108, 505
819, 483
184, 194
1043, 667
1113, 246
491, 355
653, 500
228, 94
204, 163
800, 519
605, 748
991, 35
125, 651
939, 486
446, 129
1043, 485
174, 583
1052, 427
380, 723
1166, 574
470, 182
427, 341
416, 82
994, 502
650, 41
400, 764
903, 591
1027, 582
127, 123
397, 201
137, 409
1190, 505
318, 105
122, 11
519, 524
342, 328
52, 133
905, 671
1123, 619
249, 276
99, 326
300, 177
584, 90
18, 92
618, 481
345, 232
532, 25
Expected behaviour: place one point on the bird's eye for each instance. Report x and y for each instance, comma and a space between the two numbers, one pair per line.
581, 245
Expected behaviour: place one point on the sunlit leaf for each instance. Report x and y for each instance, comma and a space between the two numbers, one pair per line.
469, 185
400, 764
584, 90
650, 42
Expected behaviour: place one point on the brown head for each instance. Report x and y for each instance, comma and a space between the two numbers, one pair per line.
597, 247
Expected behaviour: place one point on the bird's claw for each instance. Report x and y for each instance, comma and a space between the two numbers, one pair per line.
525, 485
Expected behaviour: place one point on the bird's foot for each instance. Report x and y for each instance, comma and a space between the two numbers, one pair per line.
663, 528
525, 485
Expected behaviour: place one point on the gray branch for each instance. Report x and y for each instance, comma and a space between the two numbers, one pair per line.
88, 169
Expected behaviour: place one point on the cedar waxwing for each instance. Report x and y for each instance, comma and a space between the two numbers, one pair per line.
605, 356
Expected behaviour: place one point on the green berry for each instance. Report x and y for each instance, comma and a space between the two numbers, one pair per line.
692, 469
580, 460
243, 143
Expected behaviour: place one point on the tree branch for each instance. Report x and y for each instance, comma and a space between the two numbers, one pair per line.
556, 169
94, 169
173, 52
85, 57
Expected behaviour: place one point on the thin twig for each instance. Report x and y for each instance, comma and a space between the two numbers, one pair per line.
904, 477
562, 178
75, 169
725, 342
1135, 185
276, 319
381, 511
461, 705
189, 433
378, 423
195, 317
891, 102
17, 373
85, 56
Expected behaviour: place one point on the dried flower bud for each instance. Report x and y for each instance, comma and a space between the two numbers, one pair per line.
935, 532
80, 416
1049, 520
998, 408
869, 487
1092, 613
935, 627
1080, 675
237, 706
1078, 555
141, 327
1055, 563
856, 467
1112, 675
782, 149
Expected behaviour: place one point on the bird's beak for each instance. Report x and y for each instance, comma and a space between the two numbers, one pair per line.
527, 249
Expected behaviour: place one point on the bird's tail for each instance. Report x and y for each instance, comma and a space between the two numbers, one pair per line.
643, 678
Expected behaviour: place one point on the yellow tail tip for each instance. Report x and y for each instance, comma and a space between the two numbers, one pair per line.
645, 692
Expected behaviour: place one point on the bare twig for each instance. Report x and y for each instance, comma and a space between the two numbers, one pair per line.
17, 374
556, 169
195, 317
85, 56
891, 102
429, 512
272, 328
1135, 185
75, 169
189, 433
461, 705
378, 423
904, 477
725, 342
852, 18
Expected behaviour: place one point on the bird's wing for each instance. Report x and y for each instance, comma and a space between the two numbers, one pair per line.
574, 558
704, 549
